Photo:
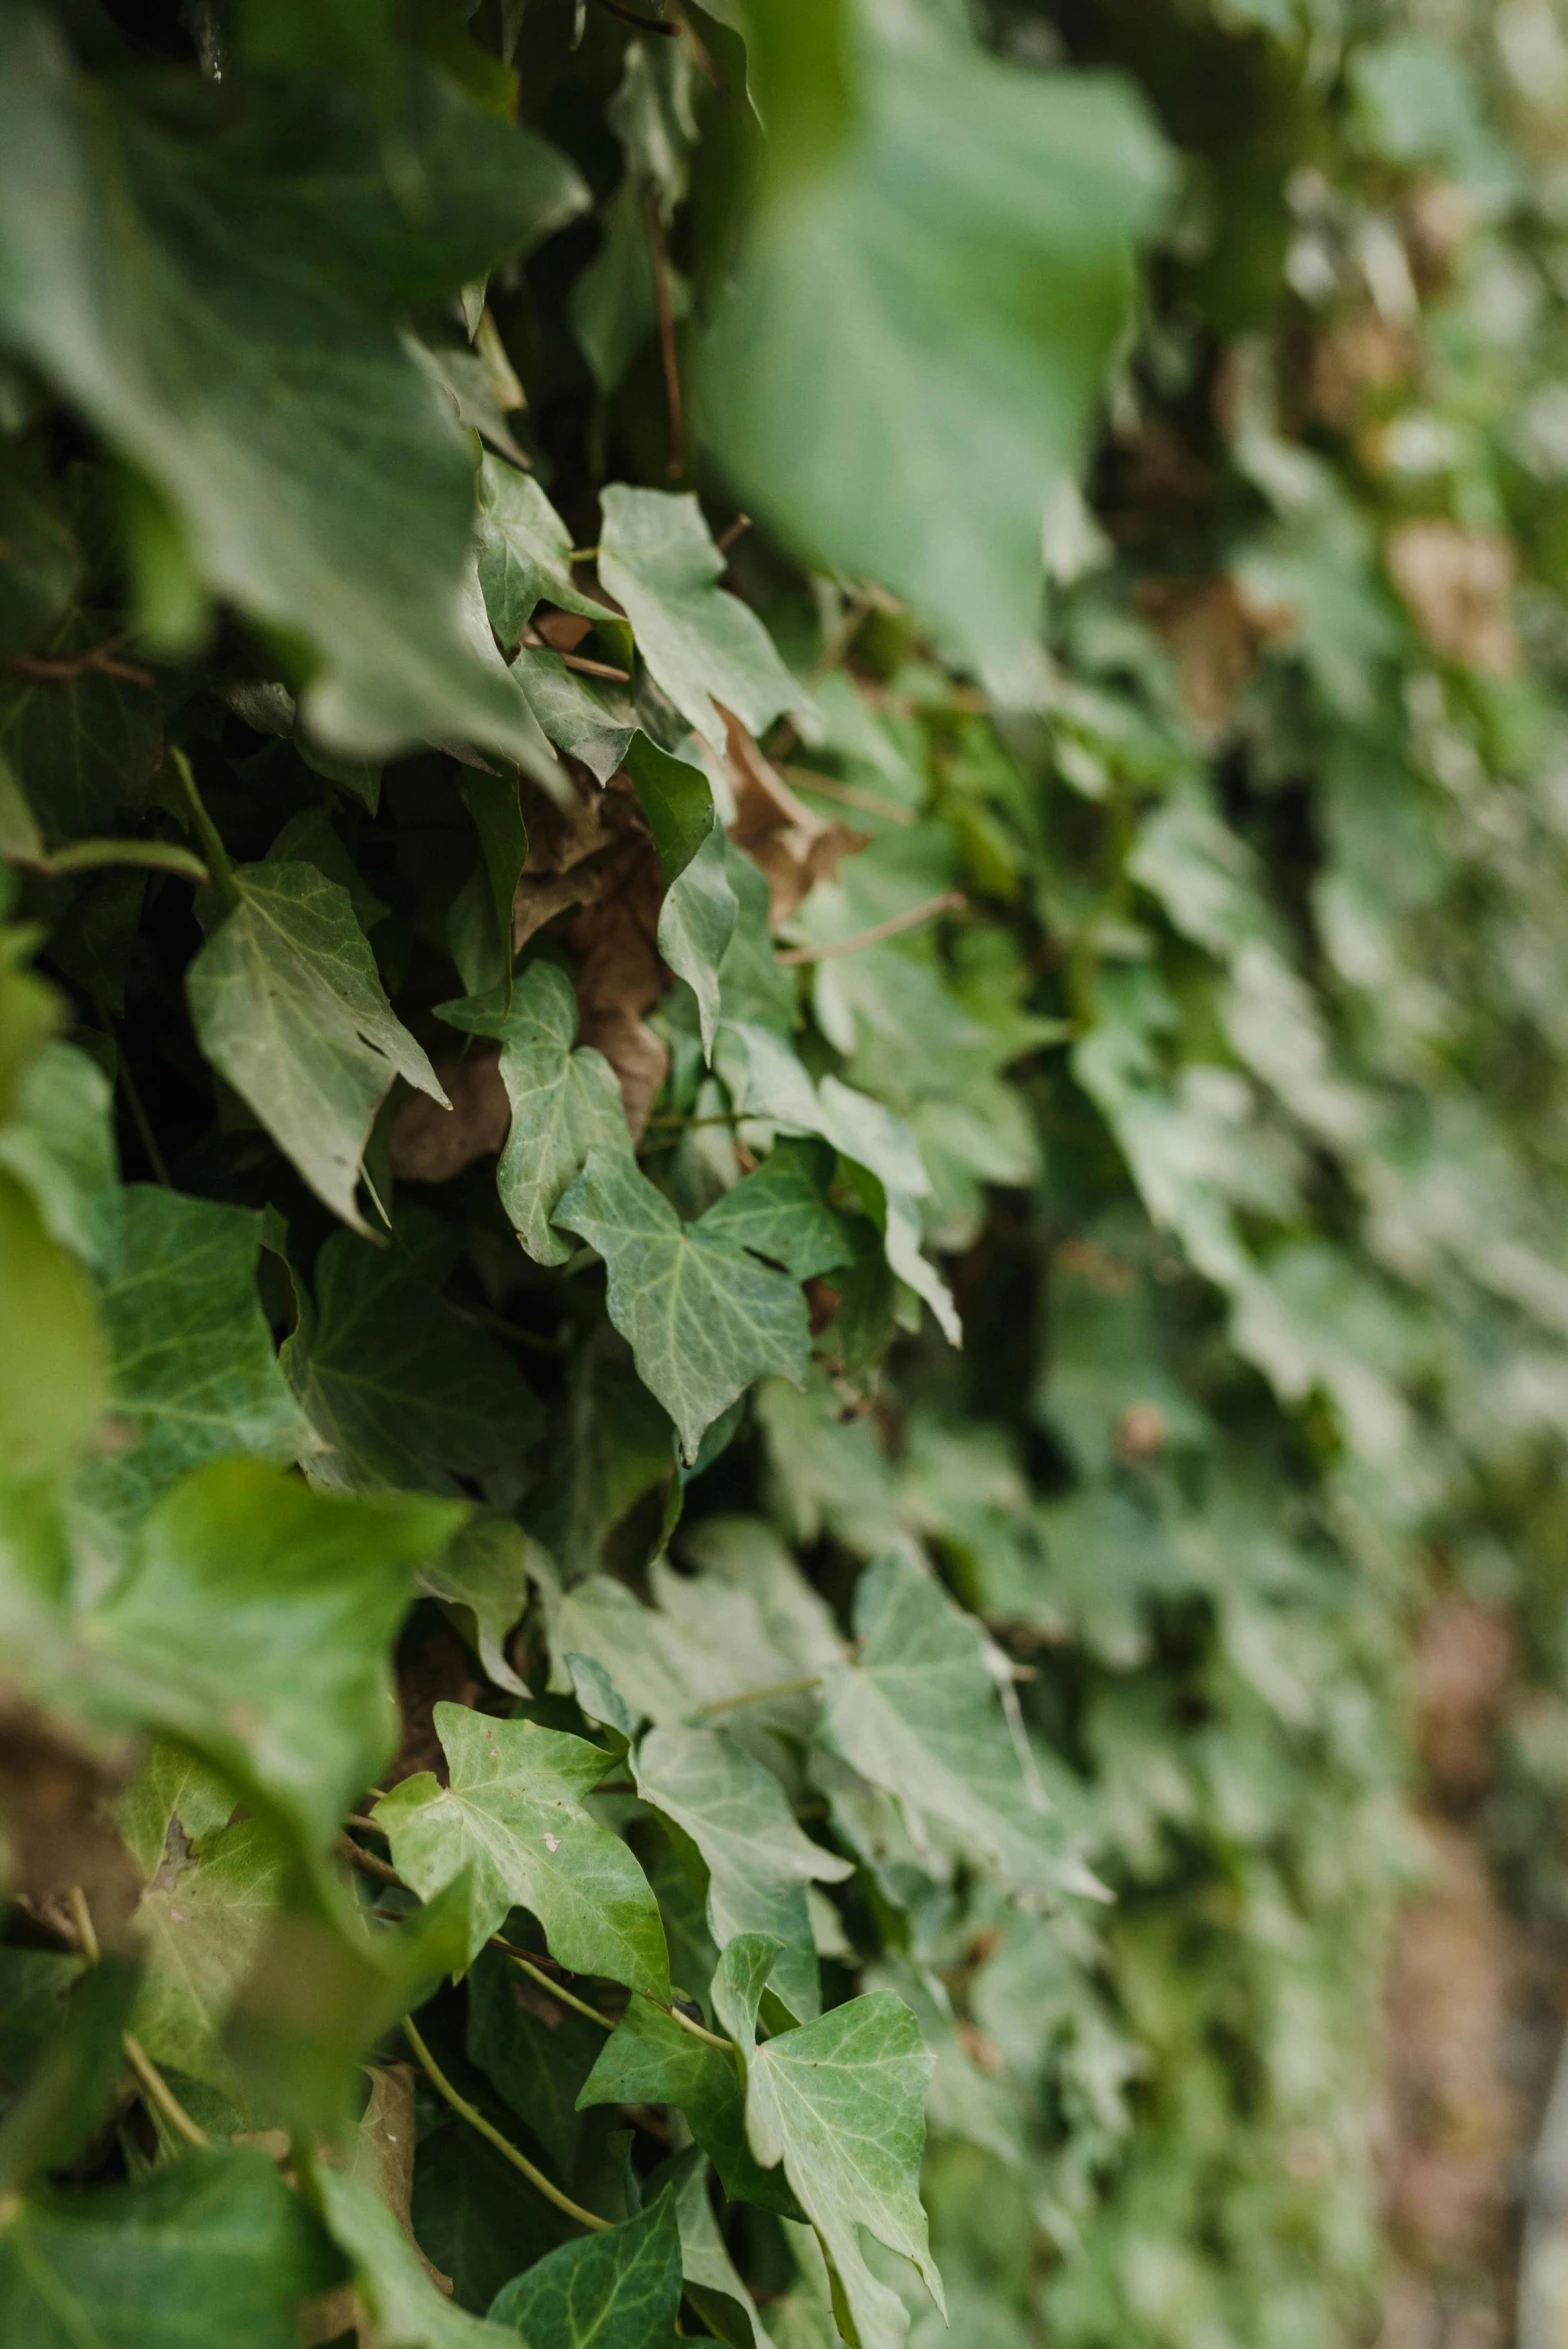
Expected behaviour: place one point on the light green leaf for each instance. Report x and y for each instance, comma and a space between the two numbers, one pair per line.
759, 1862
918, 1714
398, 2295
60, 1143
713, 2283
840, 2103
513, 1813
481, 1579
51, 1389
780, 1212
289, 1008
302, 462
649, 2059
212, 2248
702, 1317
618, 2290
920, 326
201, 1930
170, 1787
564, 1103
697, 917
255, 1622
657, 559
193, 1372
402, 1389
523, 550
589, 721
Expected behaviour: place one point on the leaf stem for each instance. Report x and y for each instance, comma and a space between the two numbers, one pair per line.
757, 1696
153, 2084
525, 1965
669, 357
216, 855
503, 2145
950, 901
156, 2088
697, 2030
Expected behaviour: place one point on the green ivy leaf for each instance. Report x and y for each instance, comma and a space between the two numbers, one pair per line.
920, 326
618, 2290
703, 1318
402, 1389
697, 917
917, 1713
60, 1143
403, 2304
780, 1213
758, 1861
523, 551
649, 2059
289, 1008
308, 470
564, 1103
193, 1373
201, 1932
51, 1389
254, 1623
537, 2067
513, 1812
481, 1580
840, 2103
590, 722
657, 559
214, 2247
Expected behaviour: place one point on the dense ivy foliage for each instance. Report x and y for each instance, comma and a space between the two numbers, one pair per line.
785, 1015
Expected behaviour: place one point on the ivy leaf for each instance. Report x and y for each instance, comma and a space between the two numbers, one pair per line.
649, 2059
590, 722
214, 2247
254, 1623
917, 1713
60, 1143
289, 1008
703, 1318
84, 749
780, 1213
657, 559
512, 1811
698, 913
303, 463
201, 1933
758, 1861
618, 2290
481, 1580
523, 551
51, 1389
403, 2304
713, 2284
565, 1104
402, 1388
922, 322
840, 2102
193, 1373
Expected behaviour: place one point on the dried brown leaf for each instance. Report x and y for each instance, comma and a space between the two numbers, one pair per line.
1457, 585
429, 1144
794, 848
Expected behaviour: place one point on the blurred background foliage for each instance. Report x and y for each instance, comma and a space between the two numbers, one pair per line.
1067, 838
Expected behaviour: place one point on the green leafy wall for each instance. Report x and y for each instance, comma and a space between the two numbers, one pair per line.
782, 1136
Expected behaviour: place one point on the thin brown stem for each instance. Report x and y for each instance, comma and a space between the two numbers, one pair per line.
851, 794
950, 901
64, 668
669, 357
532, 1339
503, 2145
368, 1864
726, 538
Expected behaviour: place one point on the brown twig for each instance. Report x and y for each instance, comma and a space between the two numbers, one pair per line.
950, 901
64, 668
852, 795
368, 1864
668, 356
726, 538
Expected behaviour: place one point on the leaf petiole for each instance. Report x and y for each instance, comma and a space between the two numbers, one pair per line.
214, 852
503, 2145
